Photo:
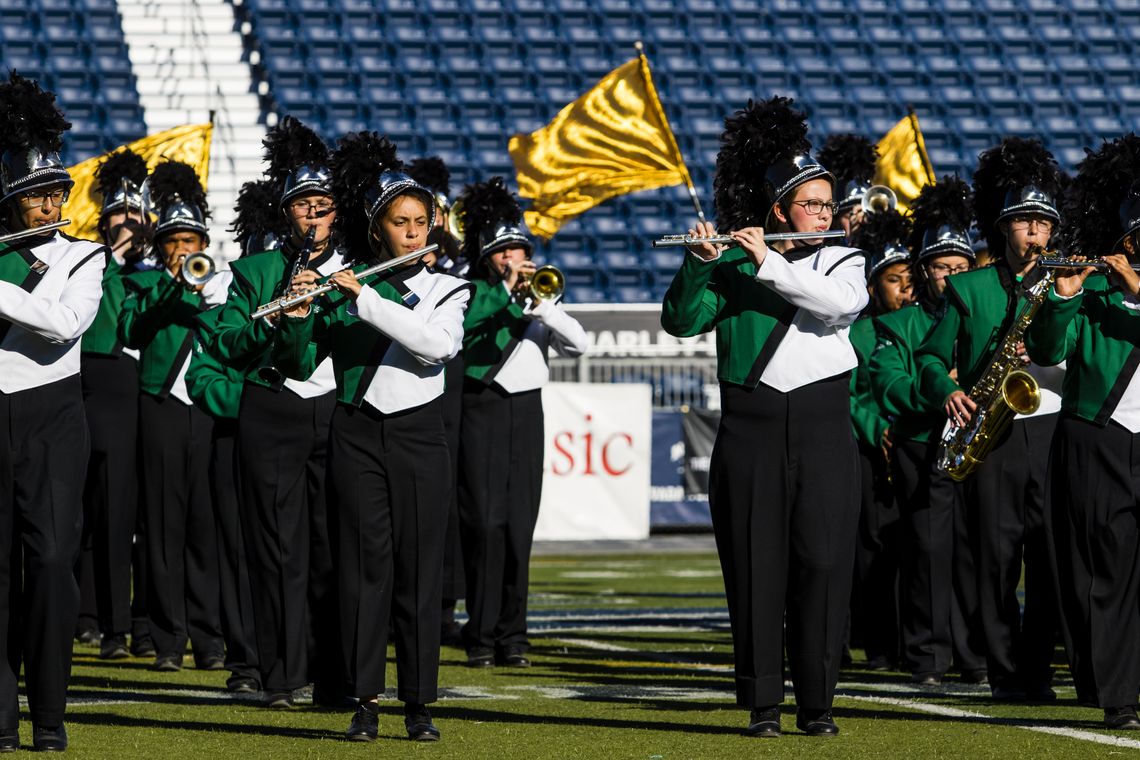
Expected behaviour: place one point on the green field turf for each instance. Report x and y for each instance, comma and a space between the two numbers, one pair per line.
632, 660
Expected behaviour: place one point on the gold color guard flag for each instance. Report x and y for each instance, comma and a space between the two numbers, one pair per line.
189, 144
613, 140
903, 164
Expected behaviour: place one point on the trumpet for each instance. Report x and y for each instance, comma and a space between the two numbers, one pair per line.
878, 198
33, 231
1050, 263
198, 268
676, 241
546, 284
285, 303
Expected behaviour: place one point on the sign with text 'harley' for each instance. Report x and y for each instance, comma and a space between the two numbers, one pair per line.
595, 482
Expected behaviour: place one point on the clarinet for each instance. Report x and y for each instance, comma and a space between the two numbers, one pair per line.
269, 373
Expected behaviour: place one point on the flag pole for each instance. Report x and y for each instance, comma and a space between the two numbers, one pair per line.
668, 130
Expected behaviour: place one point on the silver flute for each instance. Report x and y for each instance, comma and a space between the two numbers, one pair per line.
288, 302
31, 231
1062, 262
676, 241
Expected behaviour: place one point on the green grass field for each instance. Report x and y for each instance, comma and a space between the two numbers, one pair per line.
632, 660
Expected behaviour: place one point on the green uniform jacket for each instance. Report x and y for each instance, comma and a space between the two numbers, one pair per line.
102, 337
894, 377
492, 327
967, 327
867, 416
232, 337
1099, 337
750, 318
158, 319
213, 387
357, 349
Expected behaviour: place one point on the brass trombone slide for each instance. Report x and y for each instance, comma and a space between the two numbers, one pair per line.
676, 241
285, 303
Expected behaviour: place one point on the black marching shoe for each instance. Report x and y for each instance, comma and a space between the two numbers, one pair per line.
54, 739
1121, 718
114, 647
238, 684
9, 739
816, 723
168, 663
365, 723
480, 657
978, 677
764, 722
514, 656
142, 646
417, 721
278, 700
210, 661
926, 679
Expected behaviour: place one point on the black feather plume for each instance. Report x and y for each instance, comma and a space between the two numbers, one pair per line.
1010, 165
257, 213
1092, 205
753, 138
486, 206
432, 173
174, 179
291, 144
357, 163
848, 157
120, 165
29, 117
881, 229
949, 202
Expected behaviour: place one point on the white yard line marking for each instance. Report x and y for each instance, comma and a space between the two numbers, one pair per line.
1027, 725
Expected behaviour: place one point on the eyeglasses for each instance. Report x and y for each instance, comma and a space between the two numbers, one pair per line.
815, 207
304, 207
946, 269
39, 197
1023, 223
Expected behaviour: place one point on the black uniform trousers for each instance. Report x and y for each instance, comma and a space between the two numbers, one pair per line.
1005, 502
454, 581
110, 499
388, 502
500, 489
939, 616
1093, 526
183, 597
233, 566
784, 498
282, 449
43, 461
874, 606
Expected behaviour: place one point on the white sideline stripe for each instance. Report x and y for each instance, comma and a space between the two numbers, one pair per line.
600, 645
552, 632
554, 617
954, 712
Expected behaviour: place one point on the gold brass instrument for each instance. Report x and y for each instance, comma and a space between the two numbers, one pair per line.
455, 220
285, 303
546, 284
1002, 391
878, 198
676, 241
198, 268
1054, 263
33, 231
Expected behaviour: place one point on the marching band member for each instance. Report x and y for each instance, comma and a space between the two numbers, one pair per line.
49, 296
432, 173
389, 337
1015, 185
157, 318
1089, 320
874, 607
283, 430
783, 480
505, 347
111, 397
936, 584
851, 159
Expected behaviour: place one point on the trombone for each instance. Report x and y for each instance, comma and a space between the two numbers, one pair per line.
33, 231
676, 241
285, 303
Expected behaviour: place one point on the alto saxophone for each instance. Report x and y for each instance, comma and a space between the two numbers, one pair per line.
1002, 391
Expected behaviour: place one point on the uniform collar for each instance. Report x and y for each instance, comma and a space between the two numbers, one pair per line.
802, 251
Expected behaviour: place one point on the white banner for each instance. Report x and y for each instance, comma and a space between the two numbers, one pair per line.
595, 482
